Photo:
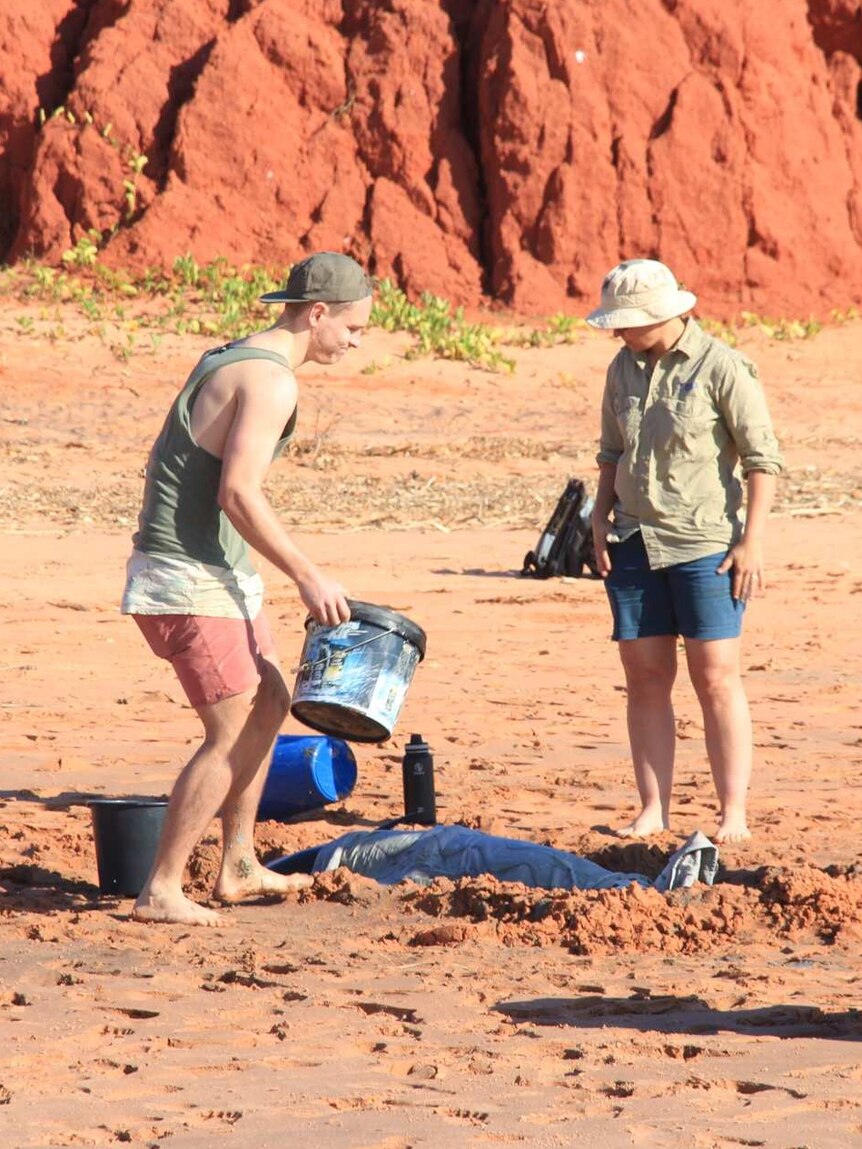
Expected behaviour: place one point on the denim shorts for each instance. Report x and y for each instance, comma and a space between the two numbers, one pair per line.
688, 599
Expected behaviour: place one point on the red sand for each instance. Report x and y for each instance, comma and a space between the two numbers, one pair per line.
471, 1013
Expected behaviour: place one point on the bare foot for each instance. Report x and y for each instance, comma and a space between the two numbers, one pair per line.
646, 823
254, 880
732, 828
173, 908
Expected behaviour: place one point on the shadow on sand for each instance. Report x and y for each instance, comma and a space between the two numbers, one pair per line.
692, 1015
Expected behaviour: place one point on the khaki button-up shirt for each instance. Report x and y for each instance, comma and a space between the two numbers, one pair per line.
677, 433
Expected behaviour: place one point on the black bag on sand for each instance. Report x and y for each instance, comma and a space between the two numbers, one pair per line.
565, 546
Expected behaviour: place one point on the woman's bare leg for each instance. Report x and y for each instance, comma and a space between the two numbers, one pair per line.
714, 667
650, 669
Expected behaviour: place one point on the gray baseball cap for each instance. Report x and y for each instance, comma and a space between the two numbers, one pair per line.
327, 277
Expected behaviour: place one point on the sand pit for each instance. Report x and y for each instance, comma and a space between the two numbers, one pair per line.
468, 1013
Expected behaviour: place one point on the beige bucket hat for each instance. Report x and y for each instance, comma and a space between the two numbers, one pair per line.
640, 292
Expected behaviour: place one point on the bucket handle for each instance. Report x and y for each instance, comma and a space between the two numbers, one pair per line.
348, 650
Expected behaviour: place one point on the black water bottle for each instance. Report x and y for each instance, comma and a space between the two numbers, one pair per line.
417, 770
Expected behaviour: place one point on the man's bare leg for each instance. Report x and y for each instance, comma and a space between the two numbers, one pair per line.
241, 874
715, 674
238, 731
650, 669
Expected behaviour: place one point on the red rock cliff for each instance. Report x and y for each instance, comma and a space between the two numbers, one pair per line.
506, 148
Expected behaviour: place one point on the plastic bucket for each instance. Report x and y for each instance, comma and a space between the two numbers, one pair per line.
353, 678
126, 832
305, 772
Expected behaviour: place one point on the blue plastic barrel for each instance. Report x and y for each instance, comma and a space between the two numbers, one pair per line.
305, 773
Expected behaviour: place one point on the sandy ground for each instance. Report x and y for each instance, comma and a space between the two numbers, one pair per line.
471, 1014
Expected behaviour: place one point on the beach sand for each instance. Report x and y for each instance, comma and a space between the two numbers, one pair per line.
469, 1013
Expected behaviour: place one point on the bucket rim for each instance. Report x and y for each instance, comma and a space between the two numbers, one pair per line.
386, 619
128, 802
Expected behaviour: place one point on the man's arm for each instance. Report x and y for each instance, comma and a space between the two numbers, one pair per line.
260, 414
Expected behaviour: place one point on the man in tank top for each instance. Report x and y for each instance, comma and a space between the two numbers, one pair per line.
194, 593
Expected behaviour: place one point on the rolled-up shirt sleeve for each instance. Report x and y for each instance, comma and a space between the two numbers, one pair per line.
743, 405
611, 444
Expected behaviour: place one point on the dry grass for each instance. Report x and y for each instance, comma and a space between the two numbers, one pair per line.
331, 486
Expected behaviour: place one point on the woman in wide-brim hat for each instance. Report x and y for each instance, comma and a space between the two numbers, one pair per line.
682, 415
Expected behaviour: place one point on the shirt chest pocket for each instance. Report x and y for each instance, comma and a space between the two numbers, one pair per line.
683, 428
629, 417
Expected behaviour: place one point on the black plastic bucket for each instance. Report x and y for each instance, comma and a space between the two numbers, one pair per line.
353, 678
126, 832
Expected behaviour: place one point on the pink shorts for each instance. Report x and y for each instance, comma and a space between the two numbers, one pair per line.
214, 658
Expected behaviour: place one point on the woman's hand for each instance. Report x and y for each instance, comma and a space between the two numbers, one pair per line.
746, 560
601, 529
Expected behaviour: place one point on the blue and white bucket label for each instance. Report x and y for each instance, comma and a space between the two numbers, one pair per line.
357, 666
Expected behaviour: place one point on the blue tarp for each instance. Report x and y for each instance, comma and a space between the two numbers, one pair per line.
391, 856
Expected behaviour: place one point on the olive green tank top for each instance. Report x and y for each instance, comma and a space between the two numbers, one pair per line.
181, 515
